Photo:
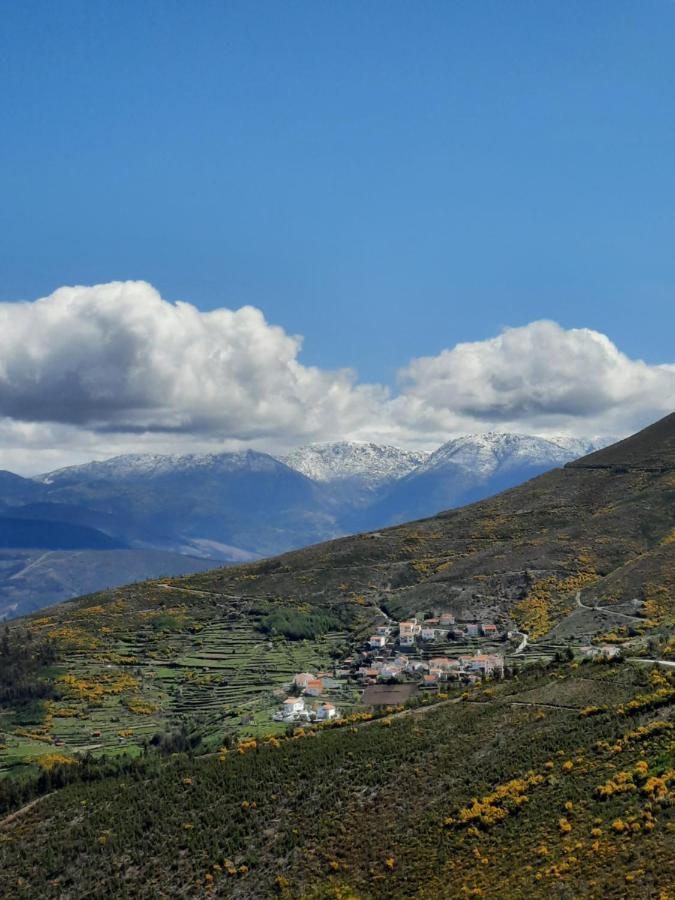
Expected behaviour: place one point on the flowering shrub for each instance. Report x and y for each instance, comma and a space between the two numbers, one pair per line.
496, 806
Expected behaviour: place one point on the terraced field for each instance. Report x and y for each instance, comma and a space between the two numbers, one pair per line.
127, 672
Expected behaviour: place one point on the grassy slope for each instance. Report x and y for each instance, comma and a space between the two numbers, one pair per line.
361, 812
603, 526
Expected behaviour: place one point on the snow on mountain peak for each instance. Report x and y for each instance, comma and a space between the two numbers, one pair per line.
485, 453
368, 462
153, 465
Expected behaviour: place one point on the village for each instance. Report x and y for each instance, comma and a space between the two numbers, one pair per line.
397, 661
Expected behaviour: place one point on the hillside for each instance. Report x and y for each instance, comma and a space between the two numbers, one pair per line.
576, 553
553, 785
237, 507
523, 553
469, 468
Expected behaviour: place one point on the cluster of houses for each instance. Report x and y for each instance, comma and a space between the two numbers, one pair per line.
391, 657
295, 709
438, 628
432, 671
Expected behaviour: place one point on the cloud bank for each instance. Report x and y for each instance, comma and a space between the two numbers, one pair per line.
90, 371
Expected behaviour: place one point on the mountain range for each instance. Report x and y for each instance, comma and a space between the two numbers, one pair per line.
171, 514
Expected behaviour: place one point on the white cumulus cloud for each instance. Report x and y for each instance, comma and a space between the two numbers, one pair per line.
117, 357
540, 378
88, 372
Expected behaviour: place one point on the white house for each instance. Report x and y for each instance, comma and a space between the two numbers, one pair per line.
486, 663
443, 663
293, 707
377, 641
428, 634
416, 666
407, 640
472, 629
446, 619
325, 711
489, 630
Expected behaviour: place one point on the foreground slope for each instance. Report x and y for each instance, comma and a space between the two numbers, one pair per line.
554, 785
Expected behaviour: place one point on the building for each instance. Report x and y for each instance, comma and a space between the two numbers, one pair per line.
326, 711
428, 634
472, 629
489, 630
314, 687
409, 628
388, 671
293, 707
416, 667
446, 619
303, 679
485, 663
377, 641
407, 640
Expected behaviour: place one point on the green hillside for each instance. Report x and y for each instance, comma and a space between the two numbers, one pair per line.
557, 784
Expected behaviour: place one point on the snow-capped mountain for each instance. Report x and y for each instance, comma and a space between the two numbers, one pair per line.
470, 468
482, 455
133, 466
367, 462
235, 506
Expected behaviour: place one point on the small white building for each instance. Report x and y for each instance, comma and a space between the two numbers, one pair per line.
489, 630
472, 629
446, 619
407, 640
326, 711
292, 707
377, 641
428, 634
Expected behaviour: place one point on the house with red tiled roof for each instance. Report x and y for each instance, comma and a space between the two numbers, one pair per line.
292, 706
314, 687
326, 711
486, 663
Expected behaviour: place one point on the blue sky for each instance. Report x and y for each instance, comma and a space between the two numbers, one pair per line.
386, 179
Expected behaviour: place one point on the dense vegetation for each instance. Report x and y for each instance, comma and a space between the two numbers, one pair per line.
518, 790
298, 625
